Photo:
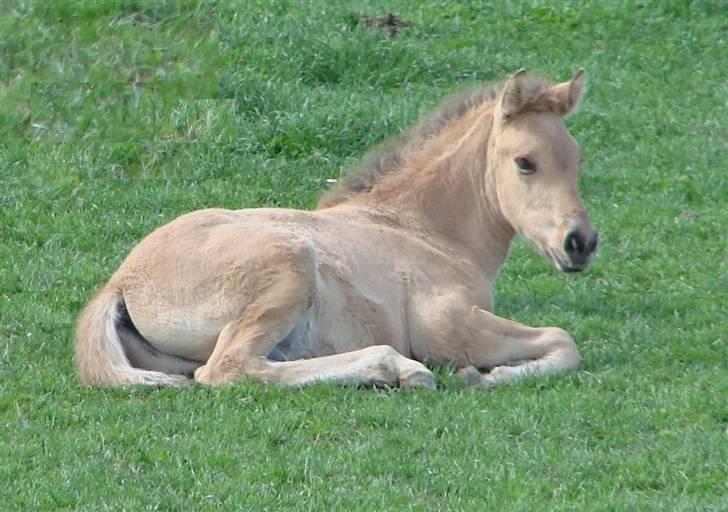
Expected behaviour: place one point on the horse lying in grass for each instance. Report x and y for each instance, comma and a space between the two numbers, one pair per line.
394, 268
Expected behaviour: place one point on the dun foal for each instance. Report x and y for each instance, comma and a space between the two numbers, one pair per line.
394, 268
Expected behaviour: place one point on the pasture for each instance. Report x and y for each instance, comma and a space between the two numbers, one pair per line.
118, 116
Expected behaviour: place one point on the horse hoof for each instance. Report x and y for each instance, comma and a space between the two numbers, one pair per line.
418, 379
470, 376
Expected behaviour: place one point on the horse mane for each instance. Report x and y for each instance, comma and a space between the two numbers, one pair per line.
390, 156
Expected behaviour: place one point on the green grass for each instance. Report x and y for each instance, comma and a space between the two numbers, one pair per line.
117, 116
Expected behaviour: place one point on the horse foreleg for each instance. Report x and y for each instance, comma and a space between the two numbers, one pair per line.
512, 350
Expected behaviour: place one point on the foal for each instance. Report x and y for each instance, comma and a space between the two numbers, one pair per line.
394, 268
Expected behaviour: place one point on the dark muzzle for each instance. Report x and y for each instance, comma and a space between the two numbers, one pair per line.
579, 247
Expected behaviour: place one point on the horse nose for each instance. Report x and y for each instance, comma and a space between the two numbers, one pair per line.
578, 247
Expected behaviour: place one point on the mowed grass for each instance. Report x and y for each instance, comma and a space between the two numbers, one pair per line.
117, 116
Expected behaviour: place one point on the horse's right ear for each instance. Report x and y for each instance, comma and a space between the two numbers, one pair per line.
568, 94
514, 96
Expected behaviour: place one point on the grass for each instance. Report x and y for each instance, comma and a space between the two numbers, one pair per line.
117, 116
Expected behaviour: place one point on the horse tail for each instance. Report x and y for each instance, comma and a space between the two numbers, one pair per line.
100, 356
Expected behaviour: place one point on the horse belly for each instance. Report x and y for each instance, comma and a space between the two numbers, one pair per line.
300, 343
357, 309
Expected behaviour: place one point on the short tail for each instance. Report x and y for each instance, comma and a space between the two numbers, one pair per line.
100, 356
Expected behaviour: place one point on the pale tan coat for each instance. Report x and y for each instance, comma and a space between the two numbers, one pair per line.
394, 269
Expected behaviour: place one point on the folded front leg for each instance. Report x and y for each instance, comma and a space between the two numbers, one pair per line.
512, 350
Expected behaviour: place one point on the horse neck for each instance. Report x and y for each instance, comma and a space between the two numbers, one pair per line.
449, 185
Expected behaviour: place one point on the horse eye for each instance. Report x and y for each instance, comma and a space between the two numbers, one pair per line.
525, 166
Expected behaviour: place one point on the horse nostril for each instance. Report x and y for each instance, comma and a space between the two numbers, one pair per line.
574, 243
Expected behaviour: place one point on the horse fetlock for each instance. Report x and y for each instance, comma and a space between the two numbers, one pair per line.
382, 373
177, 381
163, 380
209, 375
202, 375
501, 374
391, 367
413, 374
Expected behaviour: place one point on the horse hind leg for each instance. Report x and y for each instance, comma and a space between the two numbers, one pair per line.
243, 347
286, 294
280, 294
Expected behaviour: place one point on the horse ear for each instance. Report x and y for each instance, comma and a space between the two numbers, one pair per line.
513, 97
569, 93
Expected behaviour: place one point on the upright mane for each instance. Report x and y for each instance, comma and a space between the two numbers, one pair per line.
390, 156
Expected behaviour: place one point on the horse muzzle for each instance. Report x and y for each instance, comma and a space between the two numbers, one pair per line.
578, 248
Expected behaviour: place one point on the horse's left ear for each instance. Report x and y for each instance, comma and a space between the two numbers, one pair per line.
569, 93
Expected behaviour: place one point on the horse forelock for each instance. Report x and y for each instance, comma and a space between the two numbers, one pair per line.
390, 156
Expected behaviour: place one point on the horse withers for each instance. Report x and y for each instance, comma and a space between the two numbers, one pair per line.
394, 268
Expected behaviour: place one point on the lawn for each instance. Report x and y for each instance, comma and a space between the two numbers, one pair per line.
117, 116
